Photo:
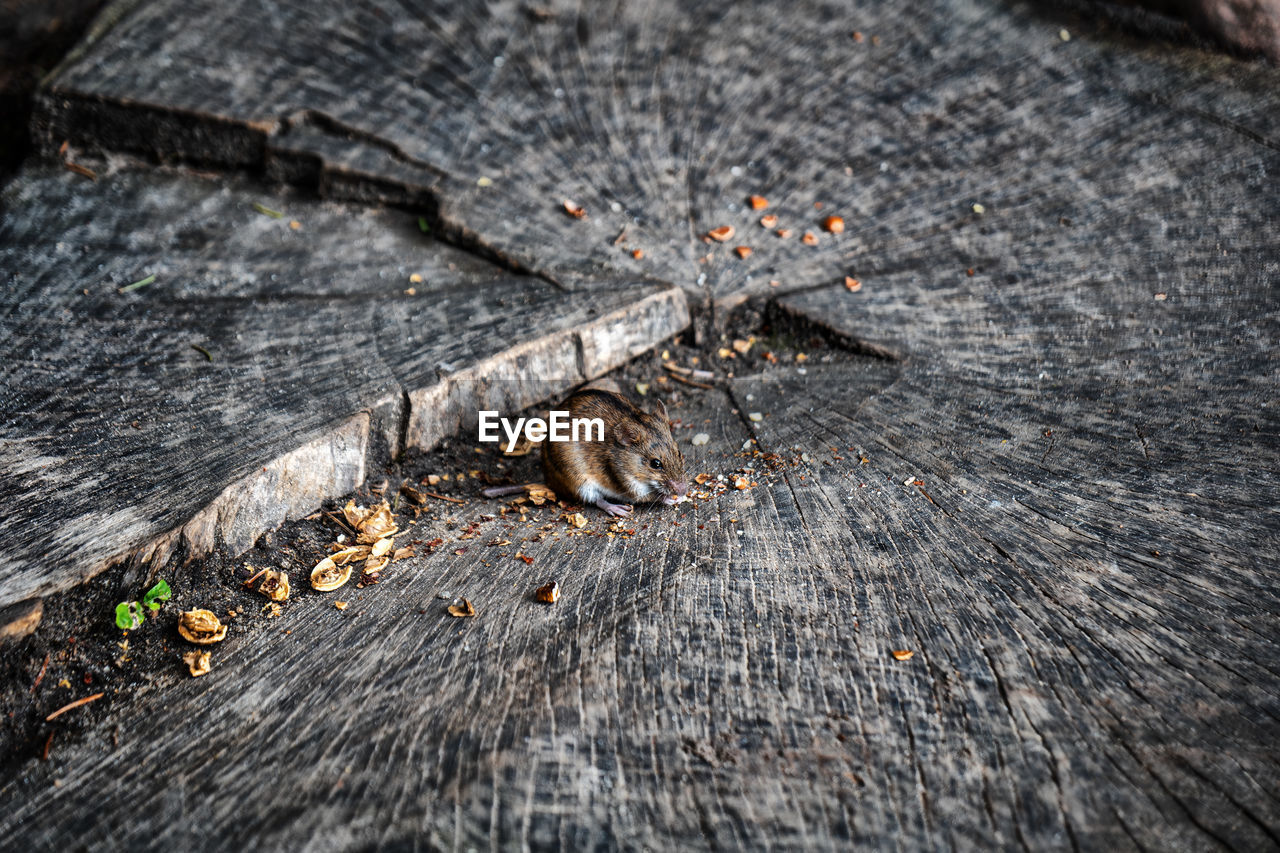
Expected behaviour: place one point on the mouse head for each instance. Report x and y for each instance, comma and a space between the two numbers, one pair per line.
649, 453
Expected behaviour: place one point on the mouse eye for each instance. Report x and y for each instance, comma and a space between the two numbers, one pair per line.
656, 464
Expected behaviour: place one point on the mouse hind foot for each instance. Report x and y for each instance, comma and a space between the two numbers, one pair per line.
616, 510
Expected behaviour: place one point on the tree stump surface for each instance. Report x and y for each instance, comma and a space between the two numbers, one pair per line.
265, 369
1042, 454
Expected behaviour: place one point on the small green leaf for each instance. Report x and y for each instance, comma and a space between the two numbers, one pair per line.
129, 615
157, 593
266, 211
423, 226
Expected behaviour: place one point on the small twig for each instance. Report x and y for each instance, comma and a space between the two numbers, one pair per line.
266, 211
688, 371
44, 756
335, 517
204, 352
139, 283
677, 377
444, 498
76, 704
40, 677
81, 170
622, 235
260, 573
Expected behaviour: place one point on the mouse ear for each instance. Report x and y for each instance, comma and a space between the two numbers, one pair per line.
626, 435
656, 406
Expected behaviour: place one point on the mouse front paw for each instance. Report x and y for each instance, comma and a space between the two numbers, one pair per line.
617, 510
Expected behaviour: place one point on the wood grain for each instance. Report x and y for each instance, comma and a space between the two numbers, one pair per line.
660, 118
123, 439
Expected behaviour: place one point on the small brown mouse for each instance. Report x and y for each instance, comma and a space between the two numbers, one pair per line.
637, 460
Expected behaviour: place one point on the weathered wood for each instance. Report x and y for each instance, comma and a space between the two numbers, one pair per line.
1067, 508
262, 372
660, 118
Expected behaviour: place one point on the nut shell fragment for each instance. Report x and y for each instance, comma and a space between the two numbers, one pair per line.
462, 609
201, 627
379, 524
328, 576
199, 663
275, 585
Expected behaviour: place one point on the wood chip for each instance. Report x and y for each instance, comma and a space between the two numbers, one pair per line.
721, 234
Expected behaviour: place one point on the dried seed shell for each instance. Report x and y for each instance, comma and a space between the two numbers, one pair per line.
328, 576
768, 220
902, 654
379, 524
462, 609
201, 627
199, 663
577, 211
275, 585
381, 547
721, 234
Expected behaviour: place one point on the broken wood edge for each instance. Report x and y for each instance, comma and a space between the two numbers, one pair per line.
782, 316
21, 619
335, 463
508, 381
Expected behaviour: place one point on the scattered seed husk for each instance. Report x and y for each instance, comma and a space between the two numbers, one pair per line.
700, 439
637, 253
721, 234
809, 238
834, 224
539, 494
462, 608
522, 447
903, 654
741, 346
852, 284
768, 220
201, 627
199, 663
341, 605
758, 202
578, 520
548, 594
577, 211
275, 585
755, 417
743, 251
266, 211
328, 576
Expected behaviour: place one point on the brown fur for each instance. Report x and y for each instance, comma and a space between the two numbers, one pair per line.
632, 436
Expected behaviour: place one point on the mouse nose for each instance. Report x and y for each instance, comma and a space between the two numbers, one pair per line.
680, 487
